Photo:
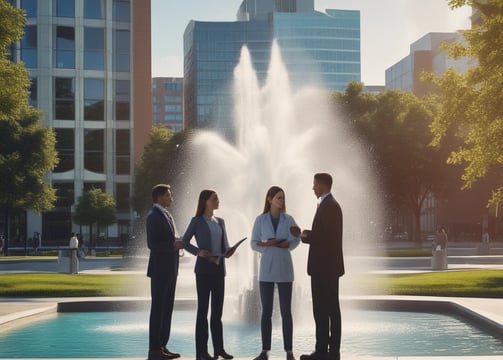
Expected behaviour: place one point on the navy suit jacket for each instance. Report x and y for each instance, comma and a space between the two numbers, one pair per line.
325, 240
163, 260
200, 229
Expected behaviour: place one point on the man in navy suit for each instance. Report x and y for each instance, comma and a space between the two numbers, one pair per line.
325, 265
162, 270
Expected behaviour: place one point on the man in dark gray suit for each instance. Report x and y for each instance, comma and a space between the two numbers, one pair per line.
325, 265
162, 270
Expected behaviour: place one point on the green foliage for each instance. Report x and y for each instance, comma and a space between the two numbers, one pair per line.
27, 148
95, 207
395, 126
161, 163
471, 103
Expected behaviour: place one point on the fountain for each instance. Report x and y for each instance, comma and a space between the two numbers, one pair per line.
283, 136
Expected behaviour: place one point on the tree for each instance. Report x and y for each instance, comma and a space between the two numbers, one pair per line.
95, 207
161, 163
395, 125
471, 103
27, 148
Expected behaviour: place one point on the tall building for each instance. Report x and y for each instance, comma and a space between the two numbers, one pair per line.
89, 63
426, 54
167, 102
321, 48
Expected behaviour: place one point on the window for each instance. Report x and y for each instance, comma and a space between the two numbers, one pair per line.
173, 86
64, 194
121, 10
122, 110
65, 146
94, 48
64, 8
173, 99
94, 99
94, 147
122, 152
173, 108
29, 46
122, 51
30, 6
64, 98
94, 9
122, 197
64, 56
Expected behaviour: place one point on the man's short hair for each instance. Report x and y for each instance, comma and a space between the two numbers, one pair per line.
324, 178
159, 190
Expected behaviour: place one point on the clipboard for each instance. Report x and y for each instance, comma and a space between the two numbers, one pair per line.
234, 247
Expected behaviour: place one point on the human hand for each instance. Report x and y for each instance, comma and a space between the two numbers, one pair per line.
178, 244
295, 231
204, 253
268, 242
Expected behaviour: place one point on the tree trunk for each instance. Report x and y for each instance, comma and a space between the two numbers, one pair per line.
7, 231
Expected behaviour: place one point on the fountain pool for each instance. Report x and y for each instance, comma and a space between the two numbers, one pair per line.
369, 333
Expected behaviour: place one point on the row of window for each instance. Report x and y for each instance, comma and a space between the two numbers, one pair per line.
319, 44
94, 150
331, 32
168, 99
64, 52
92, 9
94, 99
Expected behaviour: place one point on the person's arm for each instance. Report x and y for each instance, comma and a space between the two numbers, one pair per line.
292, 240
255, 242
187, 236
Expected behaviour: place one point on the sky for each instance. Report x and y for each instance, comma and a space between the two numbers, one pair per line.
388, 27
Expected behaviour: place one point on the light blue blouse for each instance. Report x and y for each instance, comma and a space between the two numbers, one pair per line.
275, 263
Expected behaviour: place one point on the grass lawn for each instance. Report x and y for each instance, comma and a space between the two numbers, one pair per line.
475, 283
62, 285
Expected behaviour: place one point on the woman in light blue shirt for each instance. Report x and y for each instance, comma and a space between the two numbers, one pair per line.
272, 238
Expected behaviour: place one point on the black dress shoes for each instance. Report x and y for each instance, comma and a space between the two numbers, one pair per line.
204, 357
314, 356
262, 356
224, 355
168, 354
158, 354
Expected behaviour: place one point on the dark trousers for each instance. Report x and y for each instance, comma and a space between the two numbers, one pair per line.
214, 286
285, 305
162, 291
327, 314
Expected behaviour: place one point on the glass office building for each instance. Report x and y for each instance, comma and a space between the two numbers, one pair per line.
167, 102
317, 48
87, 58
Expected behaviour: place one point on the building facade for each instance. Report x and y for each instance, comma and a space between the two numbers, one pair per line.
167, 102
89, 63
426, 54
317, 48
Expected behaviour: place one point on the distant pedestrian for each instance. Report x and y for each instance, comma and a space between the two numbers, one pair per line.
74, 247
441, 239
